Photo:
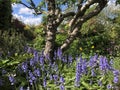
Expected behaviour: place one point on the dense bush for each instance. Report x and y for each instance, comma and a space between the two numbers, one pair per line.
21, 28
11, 42
39, 42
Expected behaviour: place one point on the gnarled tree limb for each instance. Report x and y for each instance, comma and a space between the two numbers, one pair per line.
81, 11
61, 17
80, 21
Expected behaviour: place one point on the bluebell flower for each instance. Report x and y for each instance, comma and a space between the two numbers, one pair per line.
21, 88
54, 66
59, 53
25, 48
93, 61
37, 72
110, 65
43, 68
62, 79
116, 79
44, 83
84, 67
103, 64
29, 49
106, 64
77, 80
93, 72
116, 72
36, 56
32, 62
55, 77
31, 81
41, 59
24, 66
116, 76
109, 86
4, 72
28, 88
12, 80
51, 77
62, 87
64, 59
55, 54
99, 82
77, 57
31, 77
111, 62
70, 59
95, 57
78, 74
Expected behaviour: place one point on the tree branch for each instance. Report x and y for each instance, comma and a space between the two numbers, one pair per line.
81, 11
25, 5
61, 17
79, 23
32, 6
80, 2
91, 14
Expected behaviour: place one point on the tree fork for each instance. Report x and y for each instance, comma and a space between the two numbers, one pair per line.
80, 21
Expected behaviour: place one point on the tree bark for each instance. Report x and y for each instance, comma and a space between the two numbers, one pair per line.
51, 30
70, 39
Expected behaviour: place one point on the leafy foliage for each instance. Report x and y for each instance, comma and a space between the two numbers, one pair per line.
11, 42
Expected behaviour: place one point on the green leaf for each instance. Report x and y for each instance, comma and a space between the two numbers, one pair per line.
85, 85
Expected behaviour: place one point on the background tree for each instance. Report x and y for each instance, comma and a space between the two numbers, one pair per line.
58, 11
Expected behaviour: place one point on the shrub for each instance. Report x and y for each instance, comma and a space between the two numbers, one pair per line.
11, 42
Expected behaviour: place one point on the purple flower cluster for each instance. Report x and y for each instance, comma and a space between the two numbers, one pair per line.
95, 66
37, 71
62, 83
103, 64
31, 77
12, 79
116, 74
81, 68
44, 83
24, 66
